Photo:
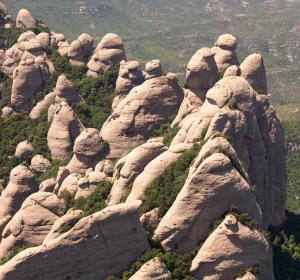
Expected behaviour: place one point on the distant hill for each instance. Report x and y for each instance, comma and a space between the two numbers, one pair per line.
172, 30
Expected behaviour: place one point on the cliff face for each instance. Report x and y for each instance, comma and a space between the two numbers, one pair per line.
149, 165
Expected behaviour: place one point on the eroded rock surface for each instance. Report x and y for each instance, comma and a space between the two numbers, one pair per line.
143, 110
108, 242
231, 248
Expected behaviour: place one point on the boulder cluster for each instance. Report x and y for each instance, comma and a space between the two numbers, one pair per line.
223, 111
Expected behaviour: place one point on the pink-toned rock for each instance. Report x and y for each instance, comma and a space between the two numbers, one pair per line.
31, 224
40, 164
143, 110
25, 19
24, 149
109, 241
231, 248
64, 129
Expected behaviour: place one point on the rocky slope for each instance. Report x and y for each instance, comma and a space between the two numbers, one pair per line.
128, 161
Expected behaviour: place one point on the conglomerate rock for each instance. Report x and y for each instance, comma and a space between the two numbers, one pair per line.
25, 19
231, 248
63, 131
143, 110
108, 53
102, 244
21, 185
154, 269
31, 224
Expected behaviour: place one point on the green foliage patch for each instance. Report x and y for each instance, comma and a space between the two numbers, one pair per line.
163, 191
178, 264
93, 203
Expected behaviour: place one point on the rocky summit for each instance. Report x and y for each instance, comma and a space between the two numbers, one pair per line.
111, 169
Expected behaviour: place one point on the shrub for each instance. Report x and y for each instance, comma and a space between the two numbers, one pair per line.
93, 203
163, 191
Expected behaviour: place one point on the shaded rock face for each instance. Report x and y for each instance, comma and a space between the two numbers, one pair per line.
202, 70
64, 92
21, 184
231, 248
59, 40
129, 76
153, 269
31, 224
155, 168
200, 203
129, 167
30, 76
28, 80
253, 70
25, 19
108, 53
87, 148
63, 131
80, 49
143, 110
108, 242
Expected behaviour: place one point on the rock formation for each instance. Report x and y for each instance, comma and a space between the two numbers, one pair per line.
129, 76
225, 54
80, 49
25, 19
64, 129
113, 236
231, 248
108, 53
87, 149
200, 203
129, 167
31, 224
40, 164
154, 269
21, 185
30, 75
24, 149
142, 111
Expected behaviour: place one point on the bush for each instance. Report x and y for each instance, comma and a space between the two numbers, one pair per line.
163, 191
15, 251
93, 203
178, 264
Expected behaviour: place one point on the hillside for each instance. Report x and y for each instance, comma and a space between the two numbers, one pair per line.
113, 169
166, 30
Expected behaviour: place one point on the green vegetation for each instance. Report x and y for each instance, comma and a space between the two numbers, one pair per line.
15, 129
178, 264
52, 172
254, 270
91, 204
163, 191
16, 250
167, 132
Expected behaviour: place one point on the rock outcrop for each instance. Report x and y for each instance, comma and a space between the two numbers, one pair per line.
80, 49
88, 147
25, 19
129, 167
143, 110
225, 54
21, 185
154, 269
129, 76
30, 225
30, 76
40, 164
24, 149
200, 203
108, 53
231, 248
64, 129
108, 242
